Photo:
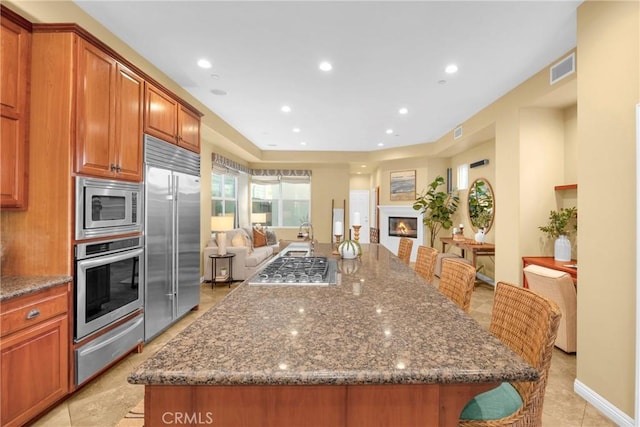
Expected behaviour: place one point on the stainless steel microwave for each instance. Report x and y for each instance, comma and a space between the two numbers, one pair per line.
107, 207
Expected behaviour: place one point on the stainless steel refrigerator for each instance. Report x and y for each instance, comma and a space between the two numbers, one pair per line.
172, 234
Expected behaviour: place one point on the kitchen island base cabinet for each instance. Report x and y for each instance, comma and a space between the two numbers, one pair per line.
309, 405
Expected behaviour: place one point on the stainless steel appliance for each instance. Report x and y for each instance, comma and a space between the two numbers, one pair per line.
172, 232
297, 270
107, 207
108, 288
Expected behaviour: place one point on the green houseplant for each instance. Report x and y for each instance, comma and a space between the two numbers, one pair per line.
437, 207
561, 224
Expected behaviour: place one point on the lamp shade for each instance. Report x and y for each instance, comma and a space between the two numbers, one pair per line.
222, 223
259, 218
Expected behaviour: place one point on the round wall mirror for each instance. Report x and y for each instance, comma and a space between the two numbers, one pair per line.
481, 203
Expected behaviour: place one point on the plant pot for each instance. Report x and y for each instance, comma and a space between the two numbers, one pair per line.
562, 249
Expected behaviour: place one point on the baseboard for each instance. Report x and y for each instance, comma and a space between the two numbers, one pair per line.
602, 405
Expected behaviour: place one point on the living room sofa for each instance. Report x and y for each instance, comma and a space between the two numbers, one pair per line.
250, 253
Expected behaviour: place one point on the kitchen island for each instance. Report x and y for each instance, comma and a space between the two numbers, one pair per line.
382, 347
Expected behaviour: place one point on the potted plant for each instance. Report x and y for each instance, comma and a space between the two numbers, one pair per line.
561, 225
437, 207
349, 249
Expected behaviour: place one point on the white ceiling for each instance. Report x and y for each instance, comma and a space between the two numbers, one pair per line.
385, 55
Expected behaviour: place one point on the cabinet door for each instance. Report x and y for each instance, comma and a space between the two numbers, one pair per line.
14, 113
128, 127
160, 114
189, 129
95, 141
34, 370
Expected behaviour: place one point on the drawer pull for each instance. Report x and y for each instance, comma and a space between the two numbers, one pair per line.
33, 314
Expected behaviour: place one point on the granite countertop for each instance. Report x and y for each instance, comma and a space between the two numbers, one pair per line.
383, 324
17, 286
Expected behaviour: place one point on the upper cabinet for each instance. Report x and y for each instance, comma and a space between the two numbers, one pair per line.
109, 116
166, 118
15, 58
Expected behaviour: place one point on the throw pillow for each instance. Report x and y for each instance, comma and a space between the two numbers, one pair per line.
271, 238
247, 241
238, 240
259, 238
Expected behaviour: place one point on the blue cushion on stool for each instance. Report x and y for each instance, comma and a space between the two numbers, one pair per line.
494, 404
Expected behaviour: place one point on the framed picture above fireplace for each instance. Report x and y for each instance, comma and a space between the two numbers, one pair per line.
401, 226
403, 185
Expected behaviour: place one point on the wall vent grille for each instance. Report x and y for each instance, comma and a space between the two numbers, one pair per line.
562, 68
457, 132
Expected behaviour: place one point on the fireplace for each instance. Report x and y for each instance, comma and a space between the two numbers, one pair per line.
390, 238
401, 226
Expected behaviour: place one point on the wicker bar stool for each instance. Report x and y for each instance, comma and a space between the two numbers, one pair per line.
457, 281
528, 324
404, 250
426, 262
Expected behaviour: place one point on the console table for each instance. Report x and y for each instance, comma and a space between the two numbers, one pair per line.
550, 262
476, 249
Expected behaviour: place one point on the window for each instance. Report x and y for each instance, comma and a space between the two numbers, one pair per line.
224, 194
463, 177
286, 201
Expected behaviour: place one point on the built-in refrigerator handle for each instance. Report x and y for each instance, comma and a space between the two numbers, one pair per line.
176, 249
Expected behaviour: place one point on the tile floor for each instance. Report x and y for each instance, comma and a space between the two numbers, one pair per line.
107, 399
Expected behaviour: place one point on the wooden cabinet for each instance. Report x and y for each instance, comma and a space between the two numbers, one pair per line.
166, 118
34, 353
15, 57
109, 116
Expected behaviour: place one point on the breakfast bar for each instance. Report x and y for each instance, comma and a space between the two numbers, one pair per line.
380, 347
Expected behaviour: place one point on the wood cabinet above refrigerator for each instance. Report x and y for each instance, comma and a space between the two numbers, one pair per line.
168, 119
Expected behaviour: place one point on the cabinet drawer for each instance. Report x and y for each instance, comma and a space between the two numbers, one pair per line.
33, 309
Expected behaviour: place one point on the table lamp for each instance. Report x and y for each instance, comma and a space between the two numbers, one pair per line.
220, 224
258, 219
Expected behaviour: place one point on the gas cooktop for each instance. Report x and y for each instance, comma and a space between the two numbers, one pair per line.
284, 270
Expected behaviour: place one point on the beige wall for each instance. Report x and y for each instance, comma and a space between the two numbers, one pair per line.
608, 91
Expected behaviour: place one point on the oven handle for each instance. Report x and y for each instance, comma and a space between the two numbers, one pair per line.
109, 259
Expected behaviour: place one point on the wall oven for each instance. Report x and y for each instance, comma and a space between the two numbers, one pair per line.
107, 207
109, 283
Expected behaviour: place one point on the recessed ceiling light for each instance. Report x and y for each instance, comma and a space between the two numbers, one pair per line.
403, 110
451, 68
303, 143
389, 131
442, 82
380, 144
325, 66
203, 63
272, 145
215, 76
219, 92
296, 130
286, 109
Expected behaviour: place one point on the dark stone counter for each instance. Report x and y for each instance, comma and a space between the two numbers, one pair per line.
382, 324
17, 286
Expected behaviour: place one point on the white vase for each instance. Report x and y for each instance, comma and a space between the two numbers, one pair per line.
348, 250
562, 249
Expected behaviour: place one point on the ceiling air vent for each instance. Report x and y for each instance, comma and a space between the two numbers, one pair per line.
562, 68
457, 132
